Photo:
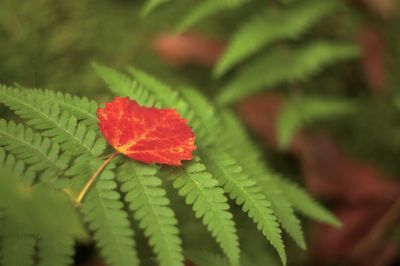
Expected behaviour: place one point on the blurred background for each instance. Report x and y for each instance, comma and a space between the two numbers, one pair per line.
315, 82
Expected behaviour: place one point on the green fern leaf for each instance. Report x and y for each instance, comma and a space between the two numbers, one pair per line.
245, 152
279, 65
122, 85
305, 204
40, 153
270, 27
59, 125
16, 167
209, 203
151, 5
148, 199
103, 210
205, 9
56, 250
82, 108
299, 112
239, 186
17, 245
25, 218
230, 173
247, 193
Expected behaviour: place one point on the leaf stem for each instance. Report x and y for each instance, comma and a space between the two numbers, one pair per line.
85, 189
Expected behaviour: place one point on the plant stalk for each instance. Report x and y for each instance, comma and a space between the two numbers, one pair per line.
92, 178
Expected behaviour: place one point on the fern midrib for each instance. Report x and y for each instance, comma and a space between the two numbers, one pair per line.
48, 118
50, 162
210, 207
160, 226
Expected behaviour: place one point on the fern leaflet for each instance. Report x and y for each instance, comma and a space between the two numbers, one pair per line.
151, 5
276, 66
17, 245
82, 108
270, 27
253, 164
40, 153
305, 204
148, 199
209, 203
205, 9
103, 211
59, 125
299, 112
56, 250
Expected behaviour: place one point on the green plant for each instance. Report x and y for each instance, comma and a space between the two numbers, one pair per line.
273, 46
61, 146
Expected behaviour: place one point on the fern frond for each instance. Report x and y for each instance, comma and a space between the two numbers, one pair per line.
148, 200
269, 27
17, 245
102, 208
246, 153
56, 250
83, 108
305, 204
124, 86
40, 153
104, 212
239, 186
60, 126
300, 112
247, 193
223, 230
209, 203
276, 66
151, 5
205, 9
17, 167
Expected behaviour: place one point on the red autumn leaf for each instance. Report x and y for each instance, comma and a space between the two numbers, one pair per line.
149, 135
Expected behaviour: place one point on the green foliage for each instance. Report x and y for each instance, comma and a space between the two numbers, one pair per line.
209, 202
281, 65
220, 162
38, 152
56, 123
305, 204
225, 169
268, 49
145, 196
272, 26
151, 5
297, 113
205, 9
31, 214
63, 126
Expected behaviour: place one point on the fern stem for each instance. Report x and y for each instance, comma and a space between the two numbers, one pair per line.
88, 183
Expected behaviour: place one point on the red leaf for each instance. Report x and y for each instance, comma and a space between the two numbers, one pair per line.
149, 135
